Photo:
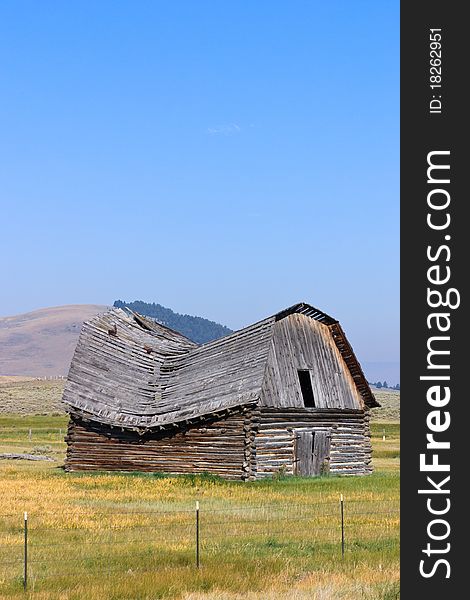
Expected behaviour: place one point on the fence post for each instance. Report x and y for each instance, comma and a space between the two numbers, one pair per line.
383, 436
29, 435
197, 535
342, 526
25, 571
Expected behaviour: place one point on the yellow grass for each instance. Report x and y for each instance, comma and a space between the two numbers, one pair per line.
125, 536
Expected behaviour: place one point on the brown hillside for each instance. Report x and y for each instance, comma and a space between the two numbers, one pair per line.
41, 343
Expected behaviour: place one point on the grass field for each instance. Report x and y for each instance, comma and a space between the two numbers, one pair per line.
389, 409
30, 396
132, 536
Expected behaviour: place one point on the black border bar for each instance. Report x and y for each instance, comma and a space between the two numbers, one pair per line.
434, 120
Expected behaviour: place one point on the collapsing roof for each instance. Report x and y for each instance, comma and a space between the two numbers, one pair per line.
133, 373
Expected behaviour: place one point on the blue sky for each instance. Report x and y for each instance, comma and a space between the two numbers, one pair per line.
225, 159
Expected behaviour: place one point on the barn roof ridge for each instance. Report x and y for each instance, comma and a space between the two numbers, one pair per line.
132, 372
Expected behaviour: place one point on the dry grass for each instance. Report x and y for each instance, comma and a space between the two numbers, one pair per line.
131, 536
31, 396
389, 410
15, 378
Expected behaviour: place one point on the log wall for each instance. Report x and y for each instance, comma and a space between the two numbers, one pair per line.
350, 453
222, 447
254, 444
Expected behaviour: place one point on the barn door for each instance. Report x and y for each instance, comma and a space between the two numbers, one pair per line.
312, 452
321, 452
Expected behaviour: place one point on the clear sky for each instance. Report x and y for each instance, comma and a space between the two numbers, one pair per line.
225, 159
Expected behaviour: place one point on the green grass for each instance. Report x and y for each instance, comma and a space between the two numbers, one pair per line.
122, 536
47, 435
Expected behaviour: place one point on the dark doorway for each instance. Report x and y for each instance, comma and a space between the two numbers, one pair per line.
305, 381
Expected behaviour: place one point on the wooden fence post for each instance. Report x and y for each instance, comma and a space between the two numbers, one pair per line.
342, 526
25, 571
197, 535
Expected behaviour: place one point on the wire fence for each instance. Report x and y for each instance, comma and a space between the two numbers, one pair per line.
88, 542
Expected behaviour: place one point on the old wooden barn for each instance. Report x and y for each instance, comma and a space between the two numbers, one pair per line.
286, 394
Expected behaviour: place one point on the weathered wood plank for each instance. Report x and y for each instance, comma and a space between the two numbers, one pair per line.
301, 343
217, 447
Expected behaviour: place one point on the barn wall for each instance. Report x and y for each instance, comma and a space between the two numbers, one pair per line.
299, 342
350, 440
222, 447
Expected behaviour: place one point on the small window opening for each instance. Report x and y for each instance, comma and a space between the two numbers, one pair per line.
306, 387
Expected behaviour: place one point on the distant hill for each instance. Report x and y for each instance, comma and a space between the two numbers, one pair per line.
198, 329
41, 343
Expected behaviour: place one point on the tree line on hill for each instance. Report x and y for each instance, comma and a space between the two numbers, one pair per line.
197, 329
380, 385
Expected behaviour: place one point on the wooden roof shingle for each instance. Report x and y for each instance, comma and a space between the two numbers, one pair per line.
130, 372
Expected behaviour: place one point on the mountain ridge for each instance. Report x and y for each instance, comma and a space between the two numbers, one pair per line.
197, 329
